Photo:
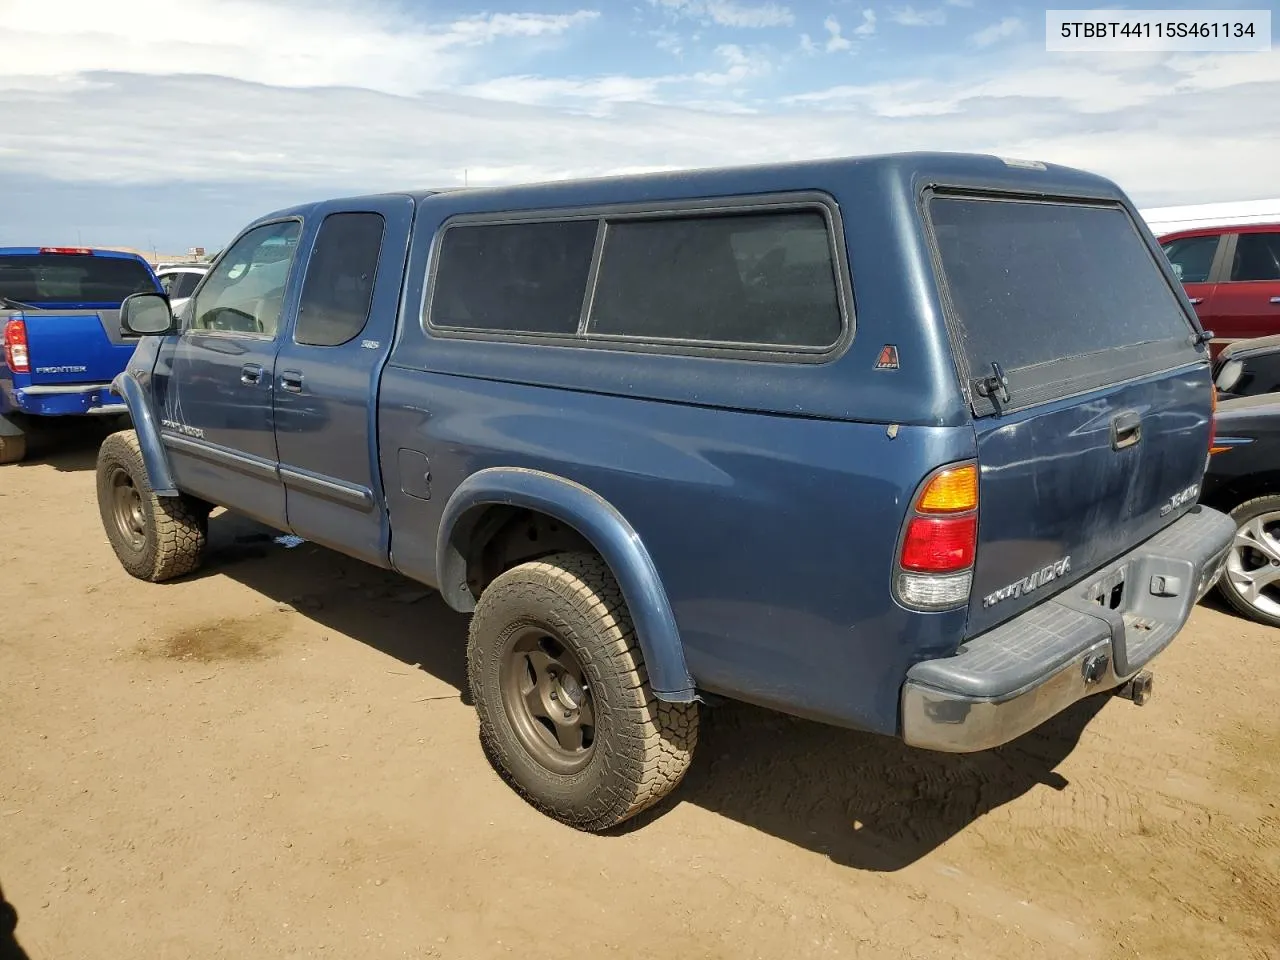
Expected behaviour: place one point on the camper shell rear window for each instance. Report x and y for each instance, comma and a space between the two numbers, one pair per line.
1059, 296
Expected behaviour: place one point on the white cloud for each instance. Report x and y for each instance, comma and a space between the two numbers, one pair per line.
807, 46
835, 42
1123, 122
669, 42
596, 94
911, 17
1003, 30
731, 13
330, 43
868, 25
362, 99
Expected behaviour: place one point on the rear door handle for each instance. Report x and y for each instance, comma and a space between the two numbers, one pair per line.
1195, 300
1126, 430
1275, 299
251, 373
291, 380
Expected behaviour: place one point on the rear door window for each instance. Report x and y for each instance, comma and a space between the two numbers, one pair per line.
1257, 257
338, 288
1066, 294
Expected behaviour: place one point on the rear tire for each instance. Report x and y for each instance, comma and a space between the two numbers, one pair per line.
13, 449
566, 712
155, 538
1250, 582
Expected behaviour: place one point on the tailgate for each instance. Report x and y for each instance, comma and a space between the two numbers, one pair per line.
1091, 395
76, 346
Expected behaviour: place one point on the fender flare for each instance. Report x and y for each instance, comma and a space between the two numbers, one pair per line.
144, 423
605, 529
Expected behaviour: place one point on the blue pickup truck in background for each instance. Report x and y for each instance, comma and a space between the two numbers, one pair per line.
60, 319
908, 444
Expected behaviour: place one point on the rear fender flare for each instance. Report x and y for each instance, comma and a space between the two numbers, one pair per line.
144, 422
608, 532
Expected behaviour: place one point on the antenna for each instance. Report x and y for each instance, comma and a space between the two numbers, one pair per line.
464, 176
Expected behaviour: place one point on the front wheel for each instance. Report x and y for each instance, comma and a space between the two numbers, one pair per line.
155, 538
1250, 582
566, 711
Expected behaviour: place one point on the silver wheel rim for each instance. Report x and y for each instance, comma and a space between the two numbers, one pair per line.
1253, 566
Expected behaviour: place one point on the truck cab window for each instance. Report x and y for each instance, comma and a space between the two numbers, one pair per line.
338, 289
245, 292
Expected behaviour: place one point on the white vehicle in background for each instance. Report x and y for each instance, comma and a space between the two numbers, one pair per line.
1166, 220
179, 281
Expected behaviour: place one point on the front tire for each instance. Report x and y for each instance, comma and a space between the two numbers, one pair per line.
566, 712
1250, 582
155, 538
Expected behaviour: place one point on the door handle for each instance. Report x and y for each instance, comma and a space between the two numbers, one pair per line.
291, 380
1195, 300
250, 373
1275, 300
1126, 430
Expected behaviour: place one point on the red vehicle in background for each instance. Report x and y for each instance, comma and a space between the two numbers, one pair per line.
1232, 277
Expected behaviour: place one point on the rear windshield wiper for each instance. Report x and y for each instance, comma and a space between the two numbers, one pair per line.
9, 301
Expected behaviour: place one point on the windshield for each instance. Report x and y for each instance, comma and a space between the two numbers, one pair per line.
53, 278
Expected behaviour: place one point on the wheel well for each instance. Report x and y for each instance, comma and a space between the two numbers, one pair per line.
504, 536
1229, 496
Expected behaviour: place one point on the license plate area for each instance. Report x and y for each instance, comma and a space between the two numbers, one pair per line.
1109, 591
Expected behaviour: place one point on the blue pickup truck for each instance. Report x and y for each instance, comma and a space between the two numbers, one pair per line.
910, 444
60, 317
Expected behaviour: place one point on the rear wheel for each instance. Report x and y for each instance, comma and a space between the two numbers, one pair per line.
1250, 583
12, 449
155, 538
565, 708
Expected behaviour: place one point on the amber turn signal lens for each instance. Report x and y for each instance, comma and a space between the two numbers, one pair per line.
951, 491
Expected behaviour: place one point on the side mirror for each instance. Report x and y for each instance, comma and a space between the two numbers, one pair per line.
146, 315
1229, 375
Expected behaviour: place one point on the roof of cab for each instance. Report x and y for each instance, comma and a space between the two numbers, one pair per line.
922, 169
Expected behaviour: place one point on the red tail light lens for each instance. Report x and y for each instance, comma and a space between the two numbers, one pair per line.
15, 346
76, 251
940, 544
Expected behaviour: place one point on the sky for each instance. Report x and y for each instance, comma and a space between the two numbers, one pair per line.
167, 125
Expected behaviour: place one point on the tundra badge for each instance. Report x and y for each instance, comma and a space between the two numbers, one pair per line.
1036, 580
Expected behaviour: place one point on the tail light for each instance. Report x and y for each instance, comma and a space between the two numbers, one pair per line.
76, 251
940, 540
15, 346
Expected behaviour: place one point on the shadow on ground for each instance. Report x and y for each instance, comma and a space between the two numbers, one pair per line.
9, 948
381, 609
67, 446
865, 801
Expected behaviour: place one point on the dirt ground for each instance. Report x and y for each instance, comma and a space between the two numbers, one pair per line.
274, 758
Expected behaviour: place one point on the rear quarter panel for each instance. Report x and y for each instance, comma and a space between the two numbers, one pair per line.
773, 535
